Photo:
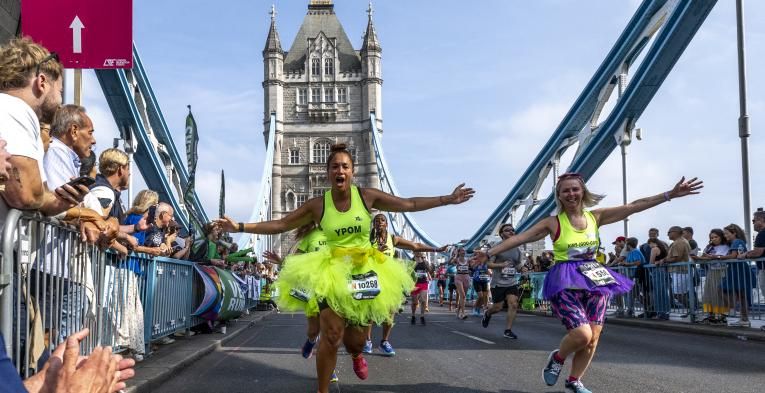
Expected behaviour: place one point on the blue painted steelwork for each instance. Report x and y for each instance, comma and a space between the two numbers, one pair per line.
261, 211
403, 224
129, 93
679, 19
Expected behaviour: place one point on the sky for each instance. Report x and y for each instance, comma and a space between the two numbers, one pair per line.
471, 92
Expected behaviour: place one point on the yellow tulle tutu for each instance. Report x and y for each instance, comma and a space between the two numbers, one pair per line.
360, 284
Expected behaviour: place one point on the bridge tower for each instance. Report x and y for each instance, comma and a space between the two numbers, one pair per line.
322, 91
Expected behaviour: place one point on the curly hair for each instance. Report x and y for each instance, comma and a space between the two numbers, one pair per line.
20, 58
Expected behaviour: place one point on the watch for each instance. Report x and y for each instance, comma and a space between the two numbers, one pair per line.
241, 227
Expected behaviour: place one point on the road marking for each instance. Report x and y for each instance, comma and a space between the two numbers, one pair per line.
473, 337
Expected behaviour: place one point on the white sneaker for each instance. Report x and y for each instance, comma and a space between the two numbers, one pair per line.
138, 357
165, 340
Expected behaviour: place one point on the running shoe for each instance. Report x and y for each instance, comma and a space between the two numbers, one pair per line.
422, 320
485, 320
333, 378
367, 347
577, 386
414, 320
308, 348
551, 372
387, 349
509, 334
360, 367
740, 324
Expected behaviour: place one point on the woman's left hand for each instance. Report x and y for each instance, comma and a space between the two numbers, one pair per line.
461, 194
683, 188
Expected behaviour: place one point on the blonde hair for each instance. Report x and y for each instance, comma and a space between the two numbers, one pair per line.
143, 200
111, 160
18, 61
589, 199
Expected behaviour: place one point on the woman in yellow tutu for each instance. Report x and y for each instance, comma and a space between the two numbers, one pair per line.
353, 282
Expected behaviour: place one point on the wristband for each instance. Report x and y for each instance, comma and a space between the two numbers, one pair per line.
666, 196
241, 227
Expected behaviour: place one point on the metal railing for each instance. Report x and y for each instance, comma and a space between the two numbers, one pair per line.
726, 292
52, 284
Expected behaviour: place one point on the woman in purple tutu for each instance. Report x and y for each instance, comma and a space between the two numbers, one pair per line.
576, 285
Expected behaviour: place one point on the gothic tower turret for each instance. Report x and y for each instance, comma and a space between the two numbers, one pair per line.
371, 60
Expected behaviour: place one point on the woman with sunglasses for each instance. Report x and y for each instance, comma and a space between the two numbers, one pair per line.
505, 288
353, 282
577, 287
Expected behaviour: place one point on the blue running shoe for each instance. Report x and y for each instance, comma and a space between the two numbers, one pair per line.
308, 348
387, 349
367, 347
333, 378
551, 372
577, 386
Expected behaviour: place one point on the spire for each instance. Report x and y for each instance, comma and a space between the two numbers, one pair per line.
273, 43
370, 37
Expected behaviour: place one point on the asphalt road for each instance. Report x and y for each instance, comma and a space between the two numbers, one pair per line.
450, 356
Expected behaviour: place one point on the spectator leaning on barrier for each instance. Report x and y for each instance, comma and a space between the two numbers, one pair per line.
712, 296
645, 248
161, 232
739, 278
688, 235
758, 251
658, 301
679, 252
104, 196
634, 258
30, 92
72, 138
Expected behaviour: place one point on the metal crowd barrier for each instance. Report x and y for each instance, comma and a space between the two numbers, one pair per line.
726, 292
52, 284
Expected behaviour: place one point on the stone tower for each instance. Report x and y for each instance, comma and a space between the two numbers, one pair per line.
322, 91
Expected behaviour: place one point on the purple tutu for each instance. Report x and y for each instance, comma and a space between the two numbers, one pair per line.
566, 275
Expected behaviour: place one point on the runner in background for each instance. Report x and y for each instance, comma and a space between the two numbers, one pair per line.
420, 292
504, 284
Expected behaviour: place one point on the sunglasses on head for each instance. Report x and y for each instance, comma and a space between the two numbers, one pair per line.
51, 56
570, 175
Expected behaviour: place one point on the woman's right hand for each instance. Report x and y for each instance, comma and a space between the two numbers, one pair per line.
226, 224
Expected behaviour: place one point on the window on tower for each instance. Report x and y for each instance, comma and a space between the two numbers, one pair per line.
329, 95
329, 66
294, 156
315, 66
320, 152
300, 199
342, 95
316, 94
302, 96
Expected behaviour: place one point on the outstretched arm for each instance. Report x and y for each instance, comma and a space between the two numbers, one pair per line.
615, 214
400, 242
295, 219
391, 203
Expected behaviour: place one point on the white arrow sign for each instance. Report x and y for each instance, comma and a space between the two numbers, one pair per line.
76, 27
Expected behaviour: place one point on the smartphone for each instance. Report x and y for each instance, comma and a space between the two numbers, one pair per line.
86, 181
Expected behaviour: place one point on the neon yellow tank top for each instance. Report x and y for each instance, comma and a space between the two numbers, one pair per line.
346, 229
573, 244
390, 250
313, 241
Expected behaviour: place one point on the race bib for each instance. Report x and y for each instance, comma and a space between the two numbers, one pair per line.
596, 273
300, 294
484, 277
508, 272
462, 268
365, 286
421, 274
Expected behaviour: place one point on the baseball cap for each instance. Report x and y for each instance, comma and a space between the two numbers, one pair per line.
619, 239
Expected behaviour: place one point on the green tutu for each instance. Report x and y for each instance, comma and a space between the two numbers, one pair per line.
362, 285
294, 295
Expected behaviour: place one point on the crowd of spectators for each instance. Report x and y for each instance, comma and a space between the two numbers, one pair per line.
48, 165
